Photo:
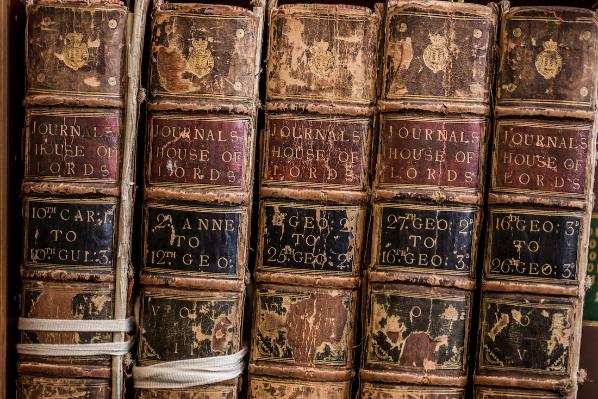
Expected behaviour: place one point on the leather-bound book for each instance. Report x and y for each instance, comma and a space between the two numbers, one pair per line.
314, 189
78, 179
199, 168
540, 202
427, 196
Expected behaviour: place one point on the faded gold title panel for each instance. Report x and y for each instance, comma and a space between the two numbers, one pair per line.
310, 239
226, 390
304, 328
425, 239
66, 300
262, 387
193, 241
431, 152
541, 158
498, 393
73, 145
315, 151
526, 334
38, 387
391, 391
179, 325
71, 233
533, 245
73, 49
198, 151
405, 326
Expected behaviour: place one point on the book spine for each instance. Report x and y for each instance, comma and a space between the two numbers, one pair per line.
314, 189
199, 167
539, 205
427, 194
73, 153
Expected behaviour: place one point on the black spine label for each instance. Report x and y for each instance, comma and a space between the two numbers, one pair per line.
175, 327
405, 329
72, 233
527, 336
309, 239
533, 245
196, 241
425, 239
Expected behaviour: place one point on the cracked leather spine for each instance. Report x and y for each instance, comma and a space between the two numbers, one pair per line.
427, 198
199, 171
539, 204
314, 193
73, 145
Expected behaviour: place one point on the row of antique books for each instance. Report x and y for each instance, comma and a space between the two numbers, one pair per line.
398, 206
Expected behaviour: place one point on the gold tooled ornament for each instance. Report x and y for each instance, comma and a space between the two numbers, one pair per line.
321, 60
549, 62
75, 53
201, 60
436, 54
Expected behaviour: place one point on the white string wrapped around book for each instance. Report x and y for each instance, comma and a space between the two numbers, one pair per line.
91, 349
190, 372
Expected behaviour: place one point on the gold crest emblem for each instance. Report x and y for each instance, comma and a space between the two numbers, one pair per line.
549, 62
75, 53
321, 60
201, 60
436, 54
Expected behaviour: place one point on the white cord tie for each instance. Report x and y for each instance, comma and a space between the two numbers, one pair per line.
190, 372
108, 348
124, 325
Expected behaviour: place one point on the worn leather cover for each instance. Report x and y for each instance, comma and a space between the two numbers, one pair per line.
509, 393
204, 54
427, 196
438, 57
547, 62
315, 185
75, 66
199, 164
540, 201
316, 65
75, 55
29, 387
395, 391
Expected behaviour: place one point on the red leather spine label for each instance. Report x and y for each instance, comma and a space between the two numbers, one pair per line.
534, 157
316, 151
198, 151
430, 152
72, 146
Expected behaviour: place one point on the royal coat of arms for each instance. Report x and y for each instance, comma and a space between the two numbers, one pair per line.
201, 60
436, 54
549, 62
75, 53
321, 60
